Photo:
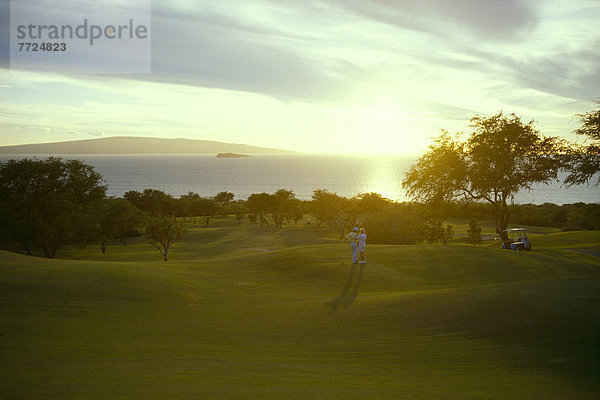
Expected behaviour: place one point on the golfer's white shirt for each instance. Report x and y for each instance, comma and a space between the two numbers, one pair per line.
352, 237
362, 241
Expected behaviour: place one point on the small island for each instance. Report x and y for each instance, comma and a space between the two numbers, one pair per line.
231, 155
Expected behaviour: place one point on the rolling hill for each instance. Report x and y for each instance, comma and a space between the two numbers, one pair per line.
136, 145
248, 312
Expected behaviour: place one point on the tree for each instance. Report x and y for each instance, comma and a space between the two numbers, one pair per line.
585, 160
500, 157
326, 206
163, 233
154, 202
188, 204
447, 234
370, 202
239, 209
224, 198
474, 232
44, 202
206, 208
435, 231
118, 219
17, 228
272, 207
183, 206
280, 205
294, 211
258, 205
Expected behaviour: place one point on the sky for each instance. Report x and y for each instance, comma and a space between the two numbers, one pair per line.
335, 76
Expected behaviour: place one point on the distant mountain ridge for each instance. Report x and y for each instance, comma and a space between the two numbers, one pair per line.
137, 145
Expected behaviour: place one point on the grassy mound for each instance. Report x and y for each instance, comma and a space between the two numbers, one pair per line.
243, 312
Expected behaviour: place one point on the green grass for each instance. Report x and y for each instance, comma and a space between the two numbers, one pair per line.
243, 312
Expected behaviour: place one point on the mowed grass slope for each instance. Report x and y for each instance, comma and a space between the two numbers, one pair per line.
244, 312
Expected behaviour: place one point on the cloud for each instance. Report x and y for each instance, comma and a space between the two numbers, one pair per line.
327, 50
280, 48
568, 73
212, 49
498, 20
282, 68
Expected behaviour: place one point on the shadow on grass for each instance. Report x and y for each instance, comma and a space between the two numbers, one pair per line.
350, 290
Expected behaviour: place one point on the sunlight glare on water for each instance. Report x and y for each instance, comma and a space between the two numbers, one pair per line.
346, 175
382, 175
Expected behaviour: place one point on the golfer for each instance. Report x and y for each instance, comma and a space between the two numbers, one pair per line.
351, 238
362, 244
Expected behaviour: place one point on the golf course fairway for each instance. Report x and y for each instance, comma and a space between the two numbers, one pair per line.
242, 312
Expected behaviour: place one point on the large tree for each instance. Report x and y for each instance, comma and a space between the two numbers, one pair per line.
116, 219
281, 205
224, 198
369, 203
258, 204
154, 202
501, 156
163, 233
206, 208
326, 206
585, 159
272, 207
44, 203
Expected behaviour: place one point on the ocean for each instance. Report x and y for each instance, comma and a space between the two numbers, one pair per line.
303, 173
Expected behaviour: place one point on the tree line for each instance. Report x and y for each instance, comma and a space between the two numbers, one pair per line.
501, 156
47, 204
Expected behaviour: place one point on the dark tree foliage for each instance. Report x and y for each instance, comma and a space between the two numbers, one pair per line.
447, 234
369, 202
224, 198
43, 203
282, 205
117, 219
274, 208
186, 205
238, 208
326, 207
183, 205
583, 217
294, 211
435, 231
258, 204
152, 201
501, 156
163, 233
470, 209
398, 223
206, 208
578, 216
585, 158
474, 233
225, 202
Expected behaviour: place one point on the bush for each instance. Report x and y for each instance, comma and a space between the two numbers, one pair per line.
474, 232
399, 223
578, 216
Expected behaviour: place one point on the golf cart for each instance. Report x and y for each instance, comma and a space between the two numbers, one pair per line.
517, 240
